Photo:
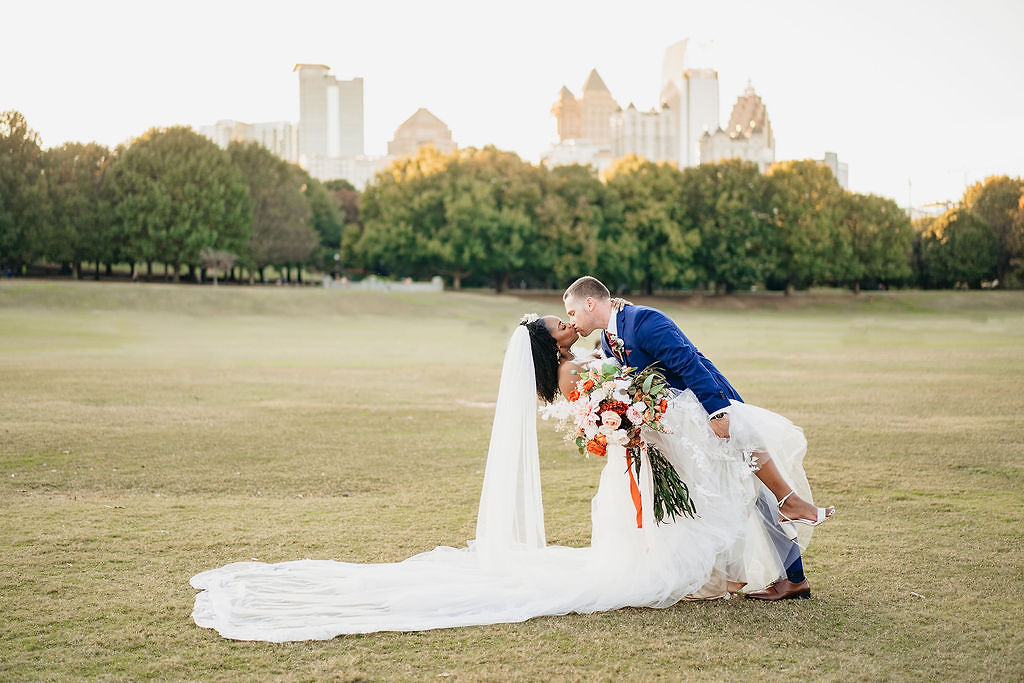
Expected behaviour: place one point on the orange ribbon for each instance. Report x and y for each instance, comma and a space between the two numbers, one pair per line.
634, 493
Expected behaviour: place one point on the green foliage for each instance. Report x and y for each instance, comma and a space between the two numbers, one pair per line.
806, 202
881, 237
402, 214
79, 226
24, 200
999, 203
727, 202
176, 193
485, 215
328, 220
472, 212
581, 220
280, 215
957, 248
656, 244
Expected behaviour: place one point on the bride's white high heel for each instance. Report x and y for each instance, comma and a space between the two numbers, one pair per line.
823, 514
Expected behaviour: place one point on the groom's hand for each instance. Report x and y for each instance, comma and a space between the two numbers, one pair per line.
720, 425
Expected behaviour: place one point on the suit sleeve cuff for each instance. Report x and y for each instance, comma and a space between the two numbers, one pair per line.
720, 411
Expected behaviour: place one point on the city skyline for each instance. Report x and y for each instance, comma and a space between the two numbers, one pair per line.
899, 91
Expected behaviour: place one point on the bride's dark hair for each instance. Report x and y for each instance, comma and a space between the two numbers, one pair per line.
545, 359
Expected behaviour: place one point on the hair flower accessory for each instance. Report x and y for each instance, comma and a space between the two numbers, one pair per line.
528, 318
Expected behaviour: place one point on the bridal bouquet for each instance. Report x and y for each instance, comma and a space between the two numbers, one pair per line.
612, 405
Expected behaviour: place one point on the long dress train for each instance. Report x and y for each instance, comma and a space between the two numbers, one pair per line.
508, 573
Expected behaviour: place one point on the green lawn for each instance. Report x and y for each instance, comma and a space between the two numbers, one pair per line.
149, 432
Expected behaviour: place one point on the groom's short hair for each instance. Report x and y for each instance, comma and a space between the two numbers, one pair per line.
586, 286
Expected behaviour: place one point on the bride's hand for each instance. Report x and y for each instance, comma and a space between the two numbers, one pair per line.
618, 304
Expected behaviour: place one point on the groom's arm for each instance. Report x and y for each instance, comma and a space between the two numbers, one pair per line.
662, 339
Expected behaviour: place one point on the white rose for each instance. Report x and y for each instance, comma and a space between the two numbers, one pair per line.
619, 436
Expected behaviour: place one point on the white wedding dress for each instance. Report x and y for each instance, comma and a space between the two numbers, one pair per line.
508, 573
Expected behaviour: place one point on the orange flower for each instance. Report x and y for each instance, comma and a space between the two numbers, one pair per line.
596, 448
588, 385
574, 395
663, 406
601, 439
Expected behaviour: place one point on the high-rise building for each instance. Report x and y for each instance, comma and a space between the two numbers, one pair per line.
277, 136
689, 88
840, 169
650, 135
330, 114
748, 136
584, 125
587, 117
567, 113
596, 108
419, 130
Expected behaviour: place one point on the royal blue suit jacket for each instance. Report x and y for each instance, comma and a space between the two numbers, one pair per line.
649, 336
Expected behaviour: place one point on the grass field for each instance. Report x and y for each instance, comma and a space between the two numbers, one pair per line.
149, 432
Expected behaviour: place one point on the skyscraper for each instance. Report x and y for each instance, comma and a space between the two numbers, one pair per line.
748, 136
330, 114
567, 113
596, 108
689, 88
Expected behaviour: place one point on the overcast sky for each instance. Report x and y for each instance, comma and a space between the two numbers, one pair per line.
930, 92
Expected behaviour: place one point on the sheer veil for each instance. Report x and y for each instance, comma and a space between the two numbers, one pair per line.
511, 515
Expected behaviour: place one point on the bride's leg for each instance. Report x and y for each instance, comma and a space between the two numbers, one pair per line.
795, 507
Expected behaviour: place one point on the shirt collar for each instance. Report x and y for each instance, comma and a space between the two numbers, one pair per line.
613, 326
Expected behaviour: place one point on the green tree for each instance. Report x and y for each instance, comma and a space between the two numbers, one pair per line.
509, 229
328, 220
79, 226
806, 203
655, 246
470, 212
346, 195
998, 202
727, 202
881, 236
403, 212
957, 248
579, 215
280, 216
177, 193
24, 200
470, 215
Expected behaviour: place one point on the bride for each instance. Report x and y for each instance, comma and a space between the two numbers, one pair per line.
508, 573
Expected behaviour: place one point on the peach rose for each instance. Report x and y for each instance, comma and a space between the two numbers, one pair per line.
610, 419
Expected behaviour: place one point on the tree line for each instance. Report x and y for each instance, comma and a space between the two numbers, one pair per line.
171, 198
484, 217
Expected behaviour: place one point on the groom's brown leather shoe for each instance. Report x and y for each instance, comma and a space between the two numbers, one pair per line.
783, 589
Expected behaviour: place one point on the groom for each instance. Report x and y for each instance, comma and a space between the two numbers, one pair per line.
639, 336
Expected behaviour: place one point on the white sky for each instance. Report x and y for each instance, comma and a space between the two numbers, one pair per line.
930, 91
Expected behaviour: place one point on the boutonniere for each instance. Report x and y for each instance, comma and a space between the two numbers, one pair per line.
617, 344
